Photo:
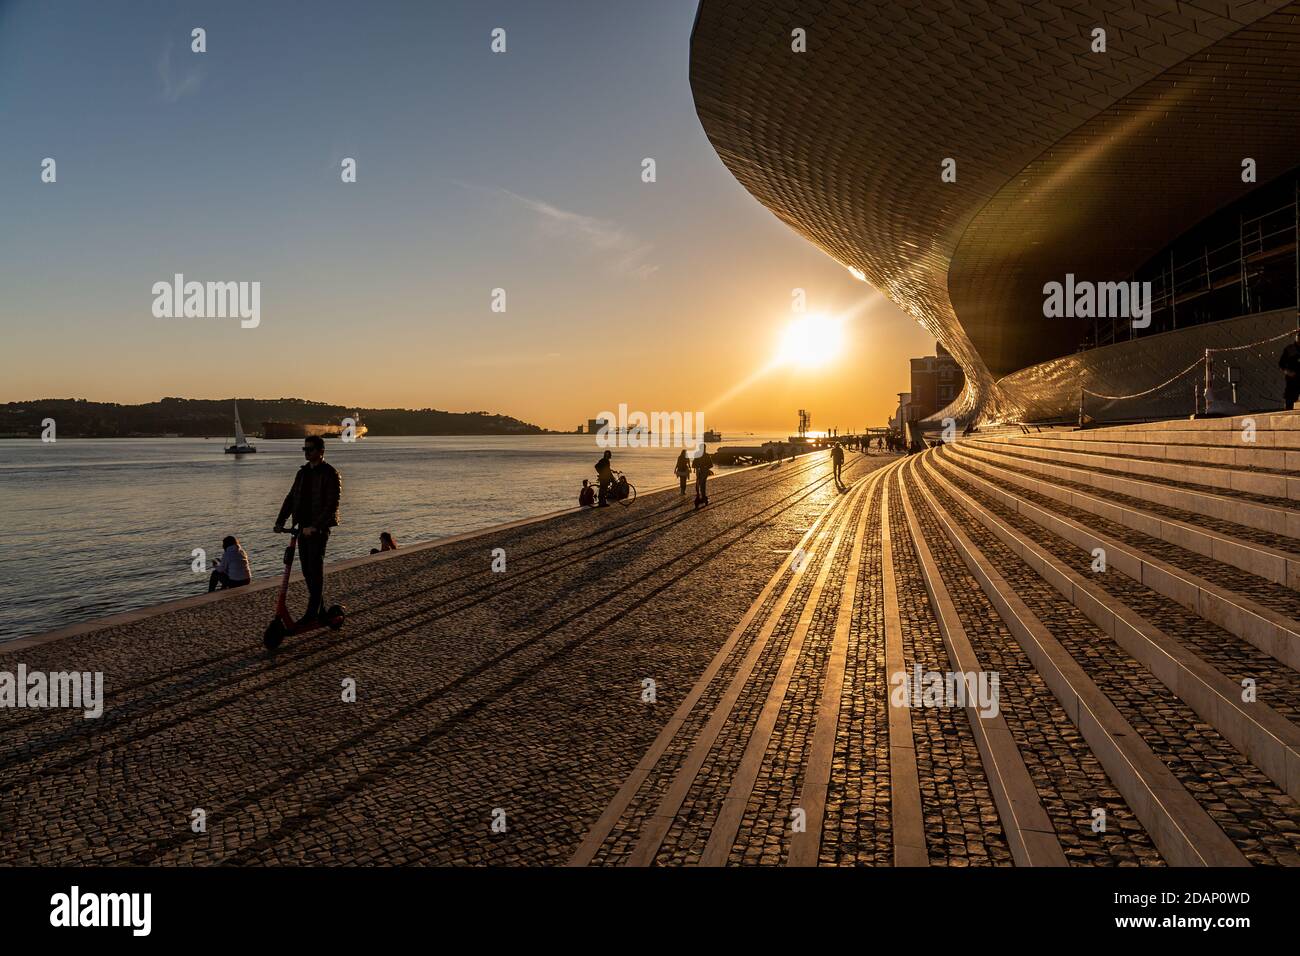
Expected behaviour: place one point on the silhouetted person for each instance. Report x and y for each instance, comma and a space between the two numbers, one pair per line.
605, 477
703, 464
386, 543
587, 496
837, 461
1289, 363
313, 503
231, 569
682, 470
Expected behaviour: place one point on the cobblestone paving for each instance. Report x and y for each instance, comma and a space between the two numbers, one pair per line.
962, 826
476, 692
1259, 818
1278, 597
497, 715
764, 834
1280, 542
857, 829
1070, 780
686, 838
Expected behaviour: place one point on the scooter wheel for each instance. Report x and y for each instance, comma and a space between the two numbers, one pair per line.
336, 615
274, 634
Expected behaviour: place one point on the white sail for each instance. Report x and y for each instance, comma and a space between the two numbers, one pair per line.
240, 440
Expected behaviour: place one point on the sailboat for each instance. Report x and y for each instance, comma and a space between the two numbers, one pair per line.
241, 445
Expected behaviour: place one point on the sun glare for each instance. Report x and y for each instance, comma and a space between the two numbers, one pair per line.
811, 341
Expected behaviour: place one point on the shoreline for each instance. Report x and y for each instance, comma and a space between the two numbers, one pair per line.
272, 582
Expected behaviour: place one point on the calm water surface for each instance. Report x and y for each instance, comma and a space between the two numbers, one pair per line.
98, 526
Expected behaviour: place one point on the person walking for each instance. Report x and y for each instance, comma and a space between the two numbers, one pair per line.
703, 466
682, 470
605, 477
837, 461
313, 504
1289, 363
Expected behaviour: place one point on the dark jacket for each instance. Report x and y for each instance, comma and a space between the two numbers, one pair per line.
1290, 360
322, 486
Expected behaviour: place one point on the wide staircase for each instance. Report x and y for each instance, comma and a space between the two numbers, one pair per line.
1150, 574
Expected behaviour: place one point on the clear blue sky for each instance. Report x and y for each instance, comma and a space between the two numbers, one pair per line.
476, 171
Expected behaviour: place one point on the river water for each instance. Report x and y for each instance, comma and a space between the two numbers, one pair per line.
98, 526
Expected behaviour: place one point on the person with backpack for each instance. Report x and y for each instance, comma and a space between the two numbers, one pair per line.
837, 460
703, 468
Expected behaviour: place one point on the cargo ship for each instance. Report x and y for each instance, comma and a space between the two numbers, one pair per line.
293, 430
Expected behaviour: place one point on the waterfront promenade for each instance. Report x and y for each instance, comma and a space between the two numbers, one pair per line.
653, 685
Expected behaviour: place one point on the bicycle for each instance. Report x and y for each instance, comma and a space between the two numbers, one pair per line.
621, 490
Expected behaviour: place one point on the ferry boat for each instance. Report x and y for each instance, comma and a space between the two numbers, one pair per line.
711, 435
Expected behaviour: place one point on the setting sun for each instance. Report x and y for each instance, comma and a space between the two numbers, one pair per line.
810, 341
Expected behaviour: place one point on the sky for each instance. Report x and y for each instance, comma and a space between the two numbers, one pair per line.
475, 170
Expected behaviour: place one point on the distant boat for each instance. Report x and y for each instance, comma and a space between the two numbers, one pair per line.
711, 435
241, 445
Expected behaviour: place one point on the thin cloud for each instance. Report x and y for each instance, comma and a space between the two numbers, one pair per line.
626, 253
173, 87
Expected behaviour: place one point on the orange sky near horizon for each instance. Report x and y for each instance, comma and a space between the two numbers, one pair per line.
525, 173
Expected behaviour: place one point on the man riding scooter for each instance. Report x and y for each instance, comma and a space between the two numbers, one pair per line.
313, 502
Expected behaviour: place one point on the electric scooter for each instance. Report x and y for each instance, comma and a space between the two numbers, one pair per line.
283, 625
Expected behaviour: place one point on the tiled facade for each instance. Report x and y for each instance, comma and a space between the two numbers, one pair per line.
1066, 160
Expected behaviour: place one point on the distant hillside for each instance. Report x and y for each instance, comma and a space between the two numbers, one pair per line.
197, 418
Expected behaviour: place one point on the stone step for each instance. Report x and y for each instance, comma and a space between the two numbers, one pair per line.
1246, 456
1238, 473
1106, 474
1269, 739
1220, 778
1258, 611
1281, 421
1180, 826
1135, 504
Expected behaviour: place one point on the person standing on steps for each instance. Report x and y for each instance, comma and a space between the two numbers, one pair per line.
703, 465
605, 477
313, 503
1289, 363
682, 470
837, 460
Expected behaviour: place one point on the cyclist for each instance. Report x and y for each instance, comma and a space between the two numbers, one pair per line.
604, 477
